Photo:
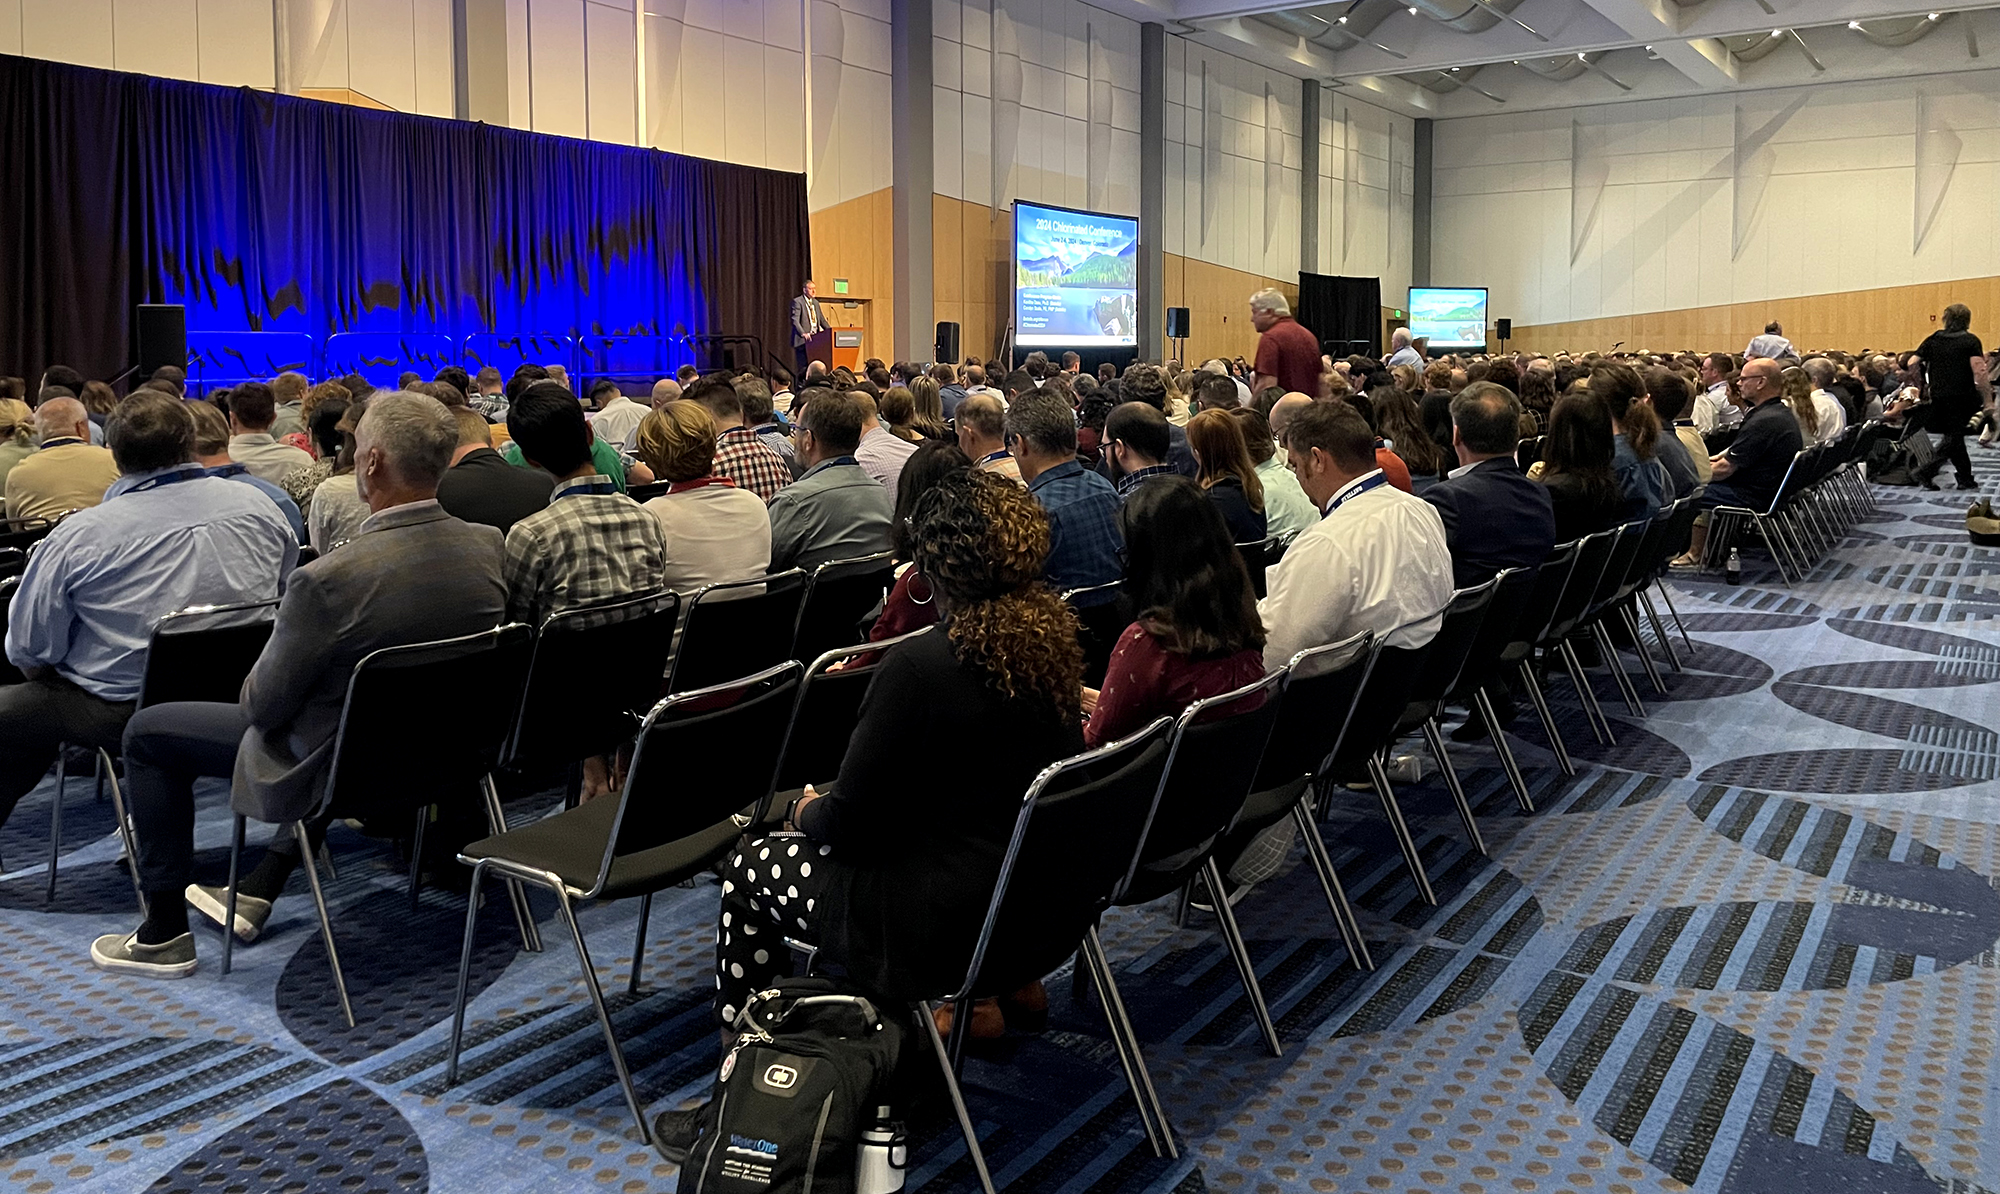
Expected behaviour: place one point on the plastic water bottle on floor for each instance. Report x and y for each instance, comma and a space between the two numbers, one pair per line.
1733, 571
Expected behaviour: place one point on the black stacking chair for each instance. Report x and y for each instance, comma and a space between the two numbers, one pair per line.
1516, 587
1075, 844
9, 674
1679, 530
828, 709
1538, 610
13, 561
1258, 558
1321, 687
1100, 622
737, 628
386, 761
1624, 599
1218, 744
1592, 556
698, 775
1624, 552
24, 533
1444, 661
840, 595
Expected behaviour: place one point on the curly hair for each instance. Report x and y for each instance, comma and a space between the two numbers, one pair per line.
982, 541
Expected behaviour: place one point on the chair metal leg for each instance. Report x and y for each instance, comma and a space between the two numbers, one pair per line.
124, 829
1436, 740
1121, 1025
1675, 614
325, 922
1401, 829
1329, 885
229, 897
1089, 965
1660, 630
55, 820
464, 974
1631, 621
639, 943
603, 1015
1541, 703
1617, 667
1591, 712
1183, 905
102, 768
326, 860
1239, 952
1484, 706
972, 1149
517, 895
417, 854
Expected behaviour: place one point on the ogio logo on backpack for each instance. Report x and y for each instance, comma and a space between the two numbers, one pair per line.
781, 1077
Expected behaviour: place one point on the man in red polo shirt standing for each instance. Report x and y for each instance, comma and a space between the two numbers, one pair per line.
1287, 353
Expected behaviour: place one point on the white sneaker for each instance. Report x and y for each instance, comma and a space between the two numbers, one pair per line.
213, 903
124, 954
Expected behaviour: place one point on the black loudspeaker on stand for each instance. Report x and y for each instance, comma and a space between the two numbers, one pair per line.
947, 343
1503, 329
1177, 323
162, 335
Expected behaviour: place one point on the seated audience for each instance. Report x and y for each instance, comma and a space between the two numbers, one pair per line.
1082, 507
881, 452
835, 511
741, 455
1831, 412
1227, 473
1747, 474
951, 391
252, 407
337, 509
1798, 389
1376, 561
982, 435
1196, 633
211, 452
1716, 411
17, 436
592, 543
1399, 421
1671, 398
1136, 444
68, 473
166, 537
288, 413
414, 574
715, 531
1287, 509
616, 417
760, 415
1576, 467
480, 486
926, 409
605, 459
1635, 430
1494, 518
890, 890
912, 602
1148, 384
321, 440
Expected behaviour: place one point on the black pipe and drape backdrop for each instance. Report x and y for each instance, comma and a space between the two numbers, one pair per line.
1345, 310
274, 214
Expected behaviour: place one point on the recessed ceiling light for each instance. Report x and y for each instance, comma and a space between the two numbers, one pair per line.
1854, 25
1934, 16
1341, 21
1777, 33
1413, 12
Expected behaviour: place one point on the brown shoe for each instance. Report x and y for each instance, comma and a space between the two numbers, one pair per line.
988, 1022
1026, 1010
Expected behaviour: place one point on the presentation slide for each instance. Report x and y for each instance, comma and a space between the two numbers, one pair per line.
1076, 278
1449, 318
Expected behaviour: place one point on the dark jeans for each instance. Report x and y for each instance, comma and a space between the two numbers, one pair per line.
36, 718
1951, 445
167, 748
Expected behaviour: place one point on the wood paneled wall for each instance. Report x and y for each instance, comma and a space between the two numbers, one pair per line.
856, 240
1218, 303
971, 254
1889, 318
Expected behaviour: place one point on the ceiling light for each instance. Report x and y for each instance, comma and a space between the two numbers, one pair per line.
1777, 33
1413, 12
1855, 25
1934, 16
1341, 21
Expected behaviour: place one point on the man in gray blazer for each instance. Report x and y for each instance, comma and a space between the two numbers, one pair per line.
808, 319
835, 511
412, 574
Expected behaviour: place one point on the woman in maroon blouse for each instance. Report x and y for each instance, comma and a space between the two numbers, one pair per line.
1197, 633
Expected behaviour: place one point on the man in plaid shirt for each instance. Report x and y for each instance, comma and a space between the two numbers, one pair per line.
592, 543
740, 453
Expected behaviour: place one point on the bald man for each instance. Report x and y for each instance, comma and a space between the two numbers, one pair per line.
665, 390
68, 473
1282, 412
1749, 471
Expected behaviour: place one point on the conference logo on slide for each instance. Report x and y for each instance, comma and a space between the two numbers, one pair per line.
1076, 277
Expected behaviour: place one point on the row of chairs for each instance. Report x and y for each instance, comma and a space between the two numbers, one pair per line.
1823, 494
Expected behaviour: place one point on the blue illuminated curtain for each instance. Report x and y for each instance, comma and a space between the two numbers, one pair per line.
269, 213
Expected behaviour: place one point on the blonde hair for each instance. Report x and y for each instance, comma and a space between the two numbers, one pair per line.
17, 421
677, 441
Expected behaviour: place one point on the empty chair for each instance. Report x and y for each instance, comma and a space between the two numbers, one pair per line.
737, 628
701, 768
828, 708
575, 706
1624, 551
1484, 663
1258, 558
840, 597
1444, 660
1592, 556
1531, 626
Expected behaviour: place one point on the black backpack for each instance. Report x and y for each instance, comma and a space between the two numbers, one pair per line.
811, 1065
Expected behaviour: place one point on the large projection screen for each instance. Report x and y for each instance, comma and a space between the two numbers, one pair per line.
1449, 317
1076, 278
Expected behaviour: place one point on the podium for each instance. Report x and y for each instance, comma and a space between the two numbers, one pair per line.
819, 347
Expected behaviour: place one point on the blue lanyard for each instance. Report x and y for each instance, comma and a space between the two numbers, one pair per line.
187, 474
990, 457
605, 486
1375, 482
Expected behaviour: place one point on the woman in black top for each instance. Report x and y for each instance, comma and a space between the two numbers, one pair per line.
1948, 357
1228, 474
1576, 466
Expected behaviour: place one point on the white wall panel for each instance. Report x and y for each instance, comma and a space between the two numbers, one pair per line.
608, 72
382, 51
555, 65
76, 31
233, 42
155, 37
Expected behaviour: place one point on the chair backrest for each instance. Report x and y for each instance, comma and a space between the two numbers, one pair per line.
1512, 590
24, 533
840, 594
9, 674
1445, 658
1379, 709
13, 561
391, 753
737, 628
1257, 559
596, 670
1651, 551
205, 652
1538, 611
1321, 686
1218, 745
1624, 550
1075, 843
1593, 553
1098, 626
828, 709
703, 757
1528, 452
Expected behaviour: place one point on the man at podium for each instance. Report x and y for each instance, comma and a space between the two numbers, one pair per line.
808, 320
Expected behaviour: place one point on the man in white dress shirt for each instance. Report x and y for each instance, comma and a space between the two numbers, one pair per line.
1377, 558
1713, 411
617, 417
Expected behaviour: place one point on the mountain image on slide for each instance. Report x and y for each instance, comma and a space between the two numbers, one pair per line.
1104, 271
1052, 266
1461, 312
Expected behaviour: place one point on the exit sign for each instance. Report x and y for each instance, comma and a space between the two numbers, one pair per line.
840, 285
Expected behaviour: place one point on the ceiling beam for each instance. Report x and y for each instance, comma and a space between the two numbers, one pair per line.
1705, 61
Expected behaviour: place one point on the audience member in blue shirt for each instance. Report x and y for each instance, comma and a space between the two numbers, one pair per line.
211, 451
166, 537
1082, 507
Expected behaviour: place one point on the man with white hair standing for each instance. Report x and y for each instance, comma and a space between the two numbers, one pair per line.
1287, 353
1402, 352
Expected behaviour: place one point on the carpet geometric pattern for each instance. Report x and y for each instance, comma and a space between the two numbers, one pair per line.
1749, 947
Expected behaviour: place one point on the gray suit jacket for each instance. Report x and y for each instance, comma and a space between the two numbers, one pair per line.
834, 512
802, 309
415, 574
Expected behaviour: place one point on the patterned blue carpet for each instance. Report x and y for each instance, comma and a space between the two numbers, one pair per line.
1749, 948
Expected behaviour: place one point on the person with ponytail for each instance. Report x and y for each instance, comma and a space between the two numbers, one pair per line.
17, 434
1798, 396
1635, 430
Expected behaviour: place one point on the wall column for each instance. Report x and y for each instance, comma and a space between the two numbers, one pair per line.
1420, 206
1152, 190
914, 177
1309, 95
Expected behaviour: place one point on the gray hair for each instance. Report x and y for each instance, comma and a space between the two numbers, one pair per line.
415, 432
1043, 419
1400, 338
1270, 300
1215, 365
1821, 371
59, 416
